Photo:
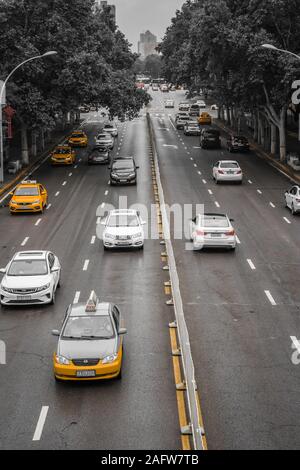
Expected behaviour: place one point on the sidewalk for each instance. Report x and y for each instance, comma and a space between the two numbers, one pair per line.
293, 145
11, 180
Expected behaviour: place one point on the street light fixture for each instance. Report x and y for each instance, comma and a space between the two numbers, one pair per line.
270, 46
46, 54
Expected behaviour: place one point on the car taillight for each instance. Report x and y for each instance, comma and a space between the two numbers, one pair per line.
230, 233
239, 172
199, 232
297, 200
221, 172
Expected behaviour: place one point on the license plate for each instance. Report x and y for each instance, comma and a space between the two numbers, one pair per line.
23, 297
123, 181
85, 373
230, 172
216, 235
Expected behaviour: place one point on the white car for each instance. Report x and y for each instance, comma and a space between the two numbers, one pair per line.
30, 278
105, 140
227, 170
111, 129
184, 107
201, 104
292, 199
214, 107
123, 229
169, 104
212, 230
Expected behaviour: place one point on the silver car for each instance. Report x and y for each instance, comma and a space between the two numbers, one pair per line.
192, 128
105, 140
111, 129
227, 170
212, 230
30, 278
123, 229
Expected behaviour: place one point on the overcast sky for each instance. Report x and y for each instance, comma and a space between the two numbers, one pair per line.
136, 16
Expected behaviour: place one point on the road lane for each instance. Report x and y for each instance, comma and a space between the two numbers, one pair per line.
138, 412
240, 341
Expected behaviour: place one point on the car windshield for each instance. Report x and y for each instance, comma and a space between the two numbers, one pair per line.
28, 267
103, 136
211, 134
123, 165
123, 220
240, 139
89, 327
77, 135
99, 150
62, 151
214, 221
33, 191
229, 165
108, 126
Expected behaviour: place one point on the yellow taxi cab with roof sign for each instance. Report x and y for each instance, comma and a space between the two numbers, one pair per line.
29, 196
90, 344
78, 139
63, 155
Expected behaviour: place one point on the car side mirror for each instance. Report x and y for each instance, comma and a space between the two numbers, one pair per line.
55, 269
122, 331
143, 222
109, 167
137, 167
11, 194
231, 220
103, 222
3, 270
55, 332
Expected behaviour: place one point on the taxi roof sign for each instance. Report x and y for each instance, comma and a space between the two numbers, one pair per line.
91, 305
28, 182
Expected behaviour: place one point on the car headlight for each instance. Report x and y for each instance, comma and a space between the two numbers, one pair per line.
114, 175
132, 175
39, 289
7, 289
35, 202
109, 235
110, 358
137, 235
62, 360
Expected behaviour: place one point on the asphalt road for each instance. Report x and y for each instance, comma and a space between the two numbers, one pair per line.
241, 307
138, 412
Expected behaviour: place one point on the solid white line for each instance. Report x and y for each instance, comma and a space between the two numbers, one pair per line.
272, 205
268, 294
238, 240
287, 220
48, 206
40, 424
93, 240
251, 264
210, 191
64, 183
56, 194
217, 204
38, 222
106, 193
204, 181
86, 265
24, 241
259, 191
76, 298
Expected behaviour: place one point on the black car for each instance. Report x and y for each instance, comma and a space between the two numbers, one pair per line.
123, 171
210, 138
98, 155
238, 143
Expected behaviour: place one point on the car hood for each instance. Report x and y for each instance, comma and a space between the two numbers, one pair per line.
24, 282
27, 199
123, 230
86, 349
123, 171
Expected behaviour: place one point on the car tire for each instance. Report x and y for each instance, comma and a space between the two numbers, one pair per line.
232, 248
293, 210
216, 181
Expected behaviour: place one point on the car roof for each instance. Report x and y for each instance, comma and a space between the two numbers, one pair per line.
228, 161
213, 214
79, 131
79, 310
33, 254
28, 183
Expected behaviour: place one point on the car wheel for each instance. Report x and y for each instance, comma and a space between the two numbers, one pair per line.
53, 297
216, 180
293, 209
59, 282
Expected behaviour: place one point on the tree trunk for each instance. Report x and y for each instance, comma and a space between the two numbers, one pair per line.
219, 112
222, 114
42, 139
24, 140
34, 143
262, 132
228, 116
273, 139
282, 134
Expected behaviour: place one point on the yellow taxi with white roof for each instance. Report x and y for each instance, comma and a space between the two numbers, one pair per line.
63, 155
78, 139
90, 344
29, 196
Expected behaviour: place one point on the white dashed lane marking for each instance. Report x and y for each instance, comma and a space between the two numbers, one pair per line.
249, 261
76, 298
24, 241
56, 194
86, 265
270, 297
287, 220
40, 424
38, 222
93, 240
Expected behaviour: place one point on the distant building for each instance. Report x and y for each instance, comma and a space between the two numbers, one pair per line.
103, 5
147, 44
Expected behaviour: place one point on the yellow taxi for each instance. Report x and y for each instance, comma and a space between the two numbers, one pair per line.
78, 139
204, 118
90, 343
29, 196
63, 155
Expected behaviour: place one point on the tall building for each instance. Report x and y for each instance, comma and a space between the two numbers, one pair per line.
103, 5
147, 44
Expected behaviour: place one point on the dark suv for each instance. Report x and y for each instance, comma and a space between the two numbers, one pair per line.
123, 171
238, 143
210, 138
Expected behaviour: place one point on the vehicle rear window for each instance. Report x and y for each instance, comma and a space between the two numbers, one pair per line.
229, 165
214, 221
123, 164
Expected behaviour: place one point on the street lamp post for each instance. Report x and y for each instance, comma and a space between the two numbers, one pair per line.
47, 54
273, 48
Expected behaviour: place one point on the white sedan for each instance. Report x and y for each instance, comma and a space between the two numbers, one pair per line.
123, 229
111, 129
292, 199
227, 170
105, 140
30, 278
212, 230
